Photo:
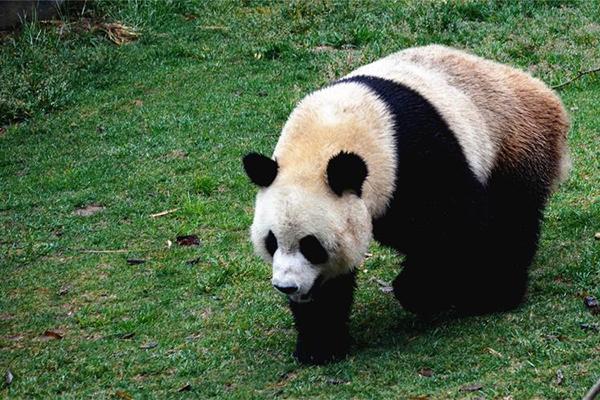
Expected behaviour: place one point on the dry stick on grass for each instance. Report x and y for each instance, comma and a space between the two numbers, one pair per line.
579, 75
160, 214
104, 251
594, 392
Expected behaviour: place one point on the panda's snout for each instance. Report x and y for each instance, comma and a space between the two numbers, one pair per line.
293, 275
286, 289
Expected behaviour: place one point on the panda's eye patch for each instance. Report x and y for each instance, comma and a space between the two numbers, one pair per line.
271, 243
312, 250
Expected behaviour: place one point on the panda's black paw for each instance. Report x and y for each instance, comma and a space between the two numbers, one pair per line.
321, 353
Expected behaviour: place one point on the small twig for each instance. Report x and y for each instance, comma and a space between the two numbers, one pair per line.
378, 281
104, 251
594, 391
214, 27
160, 214
383, 285
579, 75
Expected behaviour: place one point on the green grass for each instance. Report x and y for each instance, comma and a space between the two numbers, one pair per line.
163, 122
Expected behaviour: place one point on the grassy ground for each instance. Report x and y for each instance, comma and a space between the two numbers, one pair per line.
162, 123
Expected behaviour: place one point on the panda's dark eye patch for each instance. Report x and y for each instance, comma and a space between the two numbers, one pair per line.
271, 243
312, 250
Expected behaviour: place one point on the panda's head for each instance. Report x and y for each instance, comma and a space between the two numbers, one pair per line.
310, 229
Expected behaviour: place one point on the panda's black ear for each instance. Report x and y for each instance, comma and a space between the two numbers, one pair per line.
260, 169
346, 171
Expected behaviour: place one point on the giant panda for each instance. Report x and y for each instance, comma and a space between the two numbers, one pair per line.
446, 157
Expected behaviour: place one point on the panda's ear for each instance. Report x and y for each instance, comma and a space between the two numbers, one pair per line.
260, 169
346, 171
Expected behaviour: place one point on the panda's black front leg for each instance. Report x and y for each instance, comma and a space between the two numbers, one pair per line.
322, 323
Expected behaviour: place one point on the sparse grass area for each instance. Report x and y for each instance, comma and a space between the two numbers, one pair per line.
162, 123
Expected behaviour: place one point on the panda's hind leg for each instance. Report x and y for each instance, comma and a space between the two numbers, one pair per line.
421, 288
497, 278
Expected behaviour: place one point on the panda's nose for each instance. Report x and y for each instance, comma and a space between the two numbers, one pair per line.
286, 289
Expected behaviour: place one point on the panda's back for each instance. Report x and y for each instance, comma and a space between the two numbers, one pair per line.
502, 117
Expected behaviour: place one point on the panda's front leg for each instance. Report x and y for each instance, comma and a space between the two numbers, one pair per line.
322, 323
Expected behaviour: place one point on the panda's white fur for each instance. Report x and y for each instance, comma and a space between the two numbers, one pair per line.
506, 123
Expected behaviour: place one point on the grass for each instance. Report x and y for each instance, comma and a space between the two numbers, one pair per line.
162, 123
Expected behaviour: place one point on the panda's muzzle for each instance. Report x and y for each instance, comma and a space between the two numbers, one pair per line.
294, 276
286, 289
306, 297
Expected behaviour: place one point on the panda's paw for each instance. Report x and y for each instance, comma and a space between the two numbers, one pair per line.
321, 353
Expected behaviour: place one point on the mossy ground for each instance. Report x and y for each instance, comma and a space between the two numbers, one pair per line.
162, 123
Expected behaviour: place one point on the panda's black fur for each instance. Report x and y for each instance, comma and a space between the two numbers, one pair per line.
439, 204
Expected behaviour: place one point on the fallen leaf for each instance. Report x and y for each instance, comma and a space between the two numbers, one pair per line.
383, 285
2, 130
284, 379
193, 337
323, 48
188, 240
181, 154
559, 377
121, 394
558, 338
149, 345
194, 261
128, 335
426, 372
135, 261
138, 103
6, 316
185, 388
471, 388
119, 33
88, 210
591, 302
589, 327
52, 335
64, 290
8, 377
